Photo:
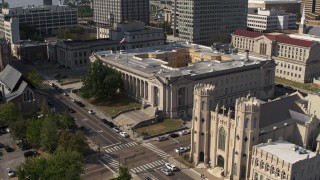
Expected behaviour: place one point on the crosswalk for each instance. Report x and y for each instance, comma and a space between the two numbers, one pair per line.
110, 161
121, 146
151, 165
156, 150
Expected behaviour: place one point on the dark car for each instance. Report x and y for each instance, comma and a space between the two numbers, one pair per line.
70, 110
25, 146
59, 90
173, 135
1, 145
104, 121
30, 153
80, 104
110, 124
8, 148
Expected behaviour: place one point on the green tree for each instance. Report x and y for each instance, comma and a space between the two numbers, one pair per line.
49, 134
101, 82
33, 132
65, 165
34, 77
5, 5
32, 168
72, 141
18, 128
65, 121
124, 173
8, 113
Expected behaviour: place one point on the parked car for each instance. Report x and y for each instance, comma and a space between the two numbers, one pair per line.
65, 94
24, 146
8, 148
181, 150
73, 100
166, 171
110, 124
162, 138
172, 167
1, 145
10, 172
173, 135
104, 121
80, 104
124, 134
90, 112
30, 154
70, 110
184, 132
51, 84
116, 129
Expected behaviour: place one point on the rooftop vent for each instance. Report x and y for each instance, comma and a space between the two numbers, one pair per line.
303, 151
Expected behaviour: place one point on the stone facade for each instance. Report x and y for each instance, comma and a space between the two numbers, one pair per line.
225, 139
164, 76
297, 59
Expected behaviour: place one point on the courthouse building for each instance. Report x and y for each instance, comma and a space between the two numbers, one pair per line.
297, 59
164, 76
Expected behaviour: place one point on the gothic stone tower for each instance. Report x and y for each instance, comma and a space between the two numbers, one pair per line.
246, 135
200, 131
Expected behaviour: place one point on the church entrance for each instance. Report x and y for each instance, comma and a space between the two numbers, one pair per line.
220, 161
201, 157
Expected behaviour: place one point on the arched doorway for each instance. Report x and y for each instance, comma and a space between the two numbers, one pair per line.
201, 157
220, 161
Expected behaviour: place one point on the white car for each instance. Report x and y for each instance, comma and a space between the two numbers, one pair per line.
166, 171
124, 134
116, 129
181, 150
51, 84
184, 132
65, 94
73, 100
90, 112
172, 167
10, 172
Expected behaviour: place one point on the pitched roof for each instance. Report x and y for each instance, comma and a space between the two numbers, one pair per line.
10, 77
247, 33
279, 110
282, 38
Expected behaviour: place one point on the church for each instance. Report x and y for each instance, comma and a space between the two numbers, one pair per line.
224, 140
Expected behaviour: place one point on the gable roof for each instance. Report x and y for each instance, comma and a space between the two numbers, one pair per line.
282, 38
279, 110
10, 77
247, 33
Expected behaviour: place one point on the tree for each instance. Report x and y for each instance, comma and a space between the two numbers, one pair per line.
34, 77
66, 165
5, 5
49, 133
32, 168
72, 141
8, 113
65, 121
18, 128
101, 82
33, 132
124, 173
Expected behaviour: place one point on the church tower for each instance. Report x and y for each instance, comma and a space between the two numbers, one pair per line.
302, 26
200, 132
247, 114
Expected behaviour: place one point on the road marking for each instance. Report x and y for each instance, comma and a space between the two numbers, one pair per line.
107, 167
93, 171
99, 131
111, 145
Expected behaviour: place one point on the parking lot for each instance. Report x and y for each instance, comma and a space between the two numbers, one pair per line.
9, 159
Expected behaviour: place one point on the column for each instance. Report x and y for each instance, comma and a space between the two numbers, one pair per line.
141, 88
129, 84
137, 88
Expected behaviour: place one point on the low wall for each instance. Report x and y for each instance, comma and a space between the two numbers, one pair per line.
168, 132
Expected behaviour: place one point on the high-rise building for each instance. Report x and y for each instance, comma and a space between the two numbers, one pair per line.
199, 21
116, 11
312, 10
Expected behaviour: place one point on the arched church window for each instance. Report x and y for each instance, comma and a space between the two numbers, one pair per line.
243, 171
255, 123
222, 139
246, 123
257, 162
202, 105
272, 170
278, 172
262, 165
283, 175
267, 167
235, 169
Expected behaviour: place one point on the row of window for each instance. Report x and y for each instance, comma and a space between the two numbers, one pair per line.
266, 167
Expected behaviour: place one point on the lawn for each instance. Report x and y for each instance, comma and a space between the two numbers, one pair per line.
115, 104
69, 80
161, 127
306, 86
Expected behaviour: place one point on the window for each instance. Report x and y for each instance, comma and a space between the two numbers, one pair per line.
272, 170
202, 105
257, 162
28, 96
246, 123
278, 172
261, 177
222, 138
243, 171
283, 175
267, 167
262, 165
256, 176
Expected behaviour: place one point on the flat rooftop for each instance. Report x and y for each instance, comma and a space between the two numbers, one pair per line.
286, 151
137, 59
